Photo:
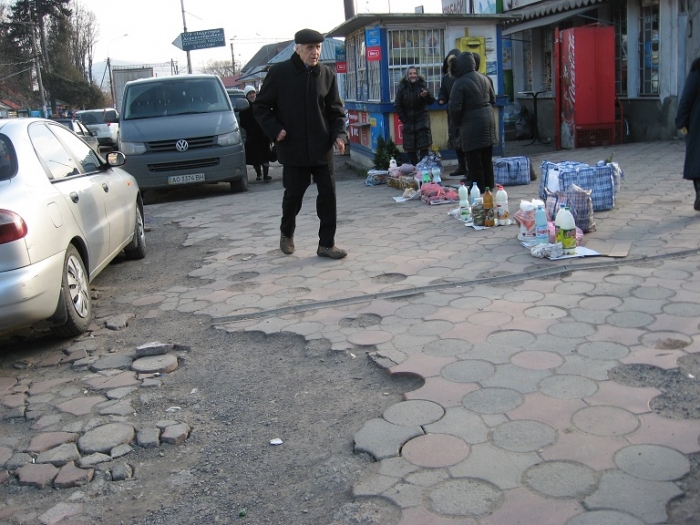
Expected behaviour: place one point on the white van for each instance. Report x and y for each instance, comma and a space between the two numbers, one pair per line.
181, 130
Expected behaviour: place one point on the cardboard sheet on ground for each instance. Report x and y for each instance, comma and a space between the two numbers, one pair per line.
594, 248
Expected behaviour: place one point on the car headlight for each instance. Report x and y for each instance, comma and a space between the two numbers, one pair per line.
229, 139
132, 148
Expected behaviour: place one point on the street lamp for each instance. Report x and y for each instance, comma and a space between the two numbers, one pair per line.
233, 58
109, 68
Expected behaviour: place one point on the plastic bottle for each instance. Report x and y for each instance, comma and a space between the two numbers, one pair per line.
566, 230
426, 176
475, 193
465, 211
502, 214
489, 219
435, 172
392, 162
541, 226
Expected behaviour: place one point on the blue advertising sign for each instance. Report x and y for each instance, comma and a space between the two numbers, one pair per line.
372, 37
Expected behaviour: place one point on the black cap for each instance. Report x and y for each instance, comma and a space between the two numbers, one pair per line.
308, 36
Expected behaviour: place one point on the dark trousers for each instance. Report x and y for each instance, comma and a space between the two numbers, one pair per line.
480, 166
415, 156
296, 180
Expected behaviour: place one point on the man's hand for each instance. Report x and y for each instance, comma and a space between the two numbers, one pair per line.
281, 135
340, 144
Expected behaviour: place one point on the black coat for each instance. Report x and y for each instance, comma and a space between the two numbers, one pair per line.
471, 105
257, 145
688, 116
444, 95
412, 110
305, 103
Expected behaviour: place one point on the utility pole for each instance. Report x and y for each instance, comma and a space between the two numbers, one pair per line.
184, 27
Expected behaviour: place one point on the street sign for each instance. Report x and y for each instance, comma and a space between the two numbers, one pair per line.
200, 39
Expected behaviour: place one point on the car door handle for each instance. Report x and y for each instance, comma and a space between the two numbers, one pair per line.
105, 187
74, 196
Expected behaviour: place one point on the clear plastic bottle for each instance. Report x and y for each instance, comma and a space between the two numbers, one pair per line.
489, 219
474, 194
502, 213
465, 212
566, 228
392, 162
541, 226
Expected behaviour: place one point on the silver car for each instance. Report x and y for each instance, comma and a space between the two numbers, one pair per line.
65, 213
79, 129
107, 133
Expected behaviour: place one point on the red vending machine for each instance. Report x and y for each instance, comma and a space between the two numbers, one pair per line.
586, 86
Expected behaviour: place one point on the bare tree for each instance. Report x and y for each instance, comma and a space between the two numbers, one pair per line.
221, 68
84, 37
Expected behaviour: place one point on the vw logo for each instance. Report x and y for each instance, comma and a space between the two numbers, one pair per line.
181, 145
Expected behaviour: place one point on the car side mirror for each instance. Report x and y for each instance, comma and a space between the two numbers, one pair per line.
116, 159
111, 116
241, 104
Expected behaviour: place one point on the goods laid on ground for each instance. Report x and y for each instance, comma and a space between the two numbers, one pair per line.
603, 180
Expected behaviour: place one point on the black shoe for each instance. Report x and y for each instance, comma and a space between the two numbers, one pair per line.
267, 178
258, 177
459, 172
287, 244
696, 206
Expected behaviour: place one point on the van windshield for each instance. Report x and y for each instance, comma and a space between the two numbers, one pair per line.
174, 97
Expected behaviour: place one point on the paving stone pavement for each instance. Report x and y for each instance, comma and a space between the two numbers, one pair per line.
517, 420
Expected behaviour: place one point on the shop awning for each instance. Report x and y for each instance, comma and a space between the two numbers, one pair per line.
548, 13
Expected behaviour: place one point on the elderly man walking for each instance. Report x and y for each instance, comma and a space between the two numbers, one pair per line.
300, 108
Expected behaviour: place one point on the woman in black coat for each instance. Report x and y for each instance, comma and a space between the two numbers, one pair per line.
444, 98
688, 121
471, 110
411, 105
257, 145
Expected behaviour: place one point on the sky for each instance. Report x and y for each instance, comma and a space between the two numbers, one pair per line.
152, 25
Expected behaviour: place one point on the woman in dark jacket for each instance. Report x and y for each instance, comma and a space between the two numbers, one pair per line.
688, 121
257, 145
412, 101
443, 98
471, 110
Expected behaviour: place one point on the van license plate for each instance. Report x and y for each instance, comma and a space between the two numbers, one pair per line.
186, 179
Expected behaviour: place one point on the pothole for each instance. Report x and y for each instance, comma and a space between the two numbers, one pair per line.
388, 278
361, 321
242, 276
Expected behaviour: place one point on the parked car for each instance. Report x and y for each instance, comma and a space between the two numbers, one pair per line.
236, 95
65, 213
181, 130
79, 129
107, 133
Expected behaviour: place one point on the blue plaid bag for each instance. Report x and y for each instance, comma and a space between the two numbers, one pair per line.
603, 180
511, 171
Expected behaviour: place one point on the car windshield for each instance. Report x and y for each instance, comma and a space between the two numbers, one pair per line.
180, 97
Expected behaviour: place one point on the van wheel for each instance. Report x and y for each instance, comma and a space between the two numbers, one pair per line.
75, 292
240, 185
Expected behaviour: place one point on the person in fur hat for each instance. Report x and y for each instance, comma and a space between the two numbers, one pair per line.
443, 99
411, 105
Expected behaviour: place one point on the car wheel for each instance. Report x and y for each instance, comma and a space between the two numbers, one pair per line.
136, 249
75, 292
240, 185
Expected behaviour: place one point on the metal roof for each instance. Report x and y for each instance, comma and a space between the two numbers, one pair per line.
364, 20
549, 7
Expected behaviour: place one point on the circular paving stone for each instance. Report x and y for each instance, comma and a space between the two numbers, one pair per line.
560, 479
671, 275
572, 329
471, 303
447, 347
630, 319
104, 438
604, 517
524, 296
151, 364
600, 302
414, 412
370, 337
568, 387
536, 360
492, 400
523, 436
602, 350
666, 340
683, 309
622, 278
430, 328
574, 288
605, 421
465, 497
518, 338
653, 292
435, 451
468, 371
652, 462
489, 318
545, 312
